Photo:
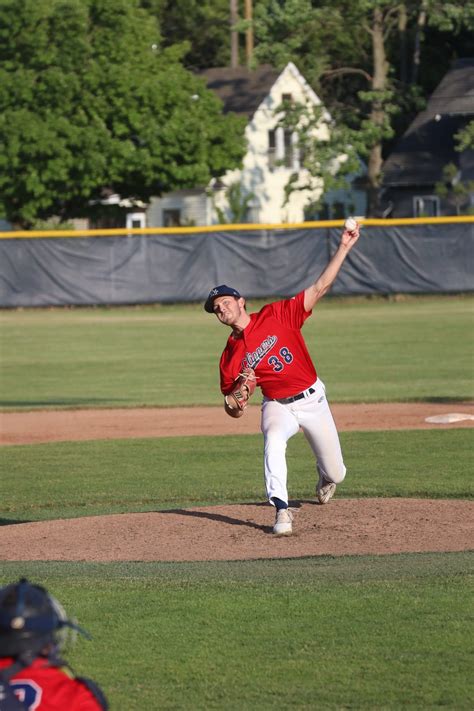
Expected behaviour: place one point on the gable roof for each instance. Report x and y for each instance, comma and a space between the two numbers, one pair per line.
428, 144
241, 90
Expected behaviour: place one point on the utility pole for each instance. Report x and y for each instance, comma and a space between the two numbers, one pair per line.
234, 35
248, 32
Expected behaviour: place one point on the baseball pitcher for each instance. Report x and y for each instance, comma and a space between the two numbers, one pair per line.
266, 349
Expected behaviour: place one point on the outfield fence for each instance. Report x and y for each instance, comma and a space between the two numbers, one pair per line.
132, 266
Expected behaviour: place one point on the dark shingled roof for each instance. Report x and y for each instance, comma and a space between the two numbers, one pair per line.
428, 144
240, 89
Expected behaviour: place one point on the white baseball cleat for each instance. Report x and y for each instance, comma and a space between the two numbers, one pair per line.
283, 523
325, 490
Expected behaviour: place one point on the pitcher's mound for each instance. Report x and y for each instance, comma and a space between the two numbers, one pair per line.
244, 531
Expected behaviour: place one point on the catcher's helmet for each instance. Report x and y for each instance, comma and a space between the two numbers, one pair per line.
30, 620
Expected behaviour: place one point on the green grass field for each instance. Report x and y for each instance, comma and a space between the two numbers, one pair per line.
364, 350
69, 479
357, 632
368, 632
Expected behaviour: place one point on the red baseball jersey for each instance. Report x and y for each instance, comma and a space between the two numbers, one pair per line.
44, 687
272, 344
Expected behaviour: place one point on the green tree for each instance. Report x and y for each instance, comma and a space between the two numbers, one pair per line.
465, 138
203, 24
310, 34
363, 58
367, 119
89, 100
328, 159
238, 204
451, 189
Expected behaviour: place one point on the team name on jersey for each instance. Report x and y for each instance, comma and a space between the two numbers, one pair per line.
254, 358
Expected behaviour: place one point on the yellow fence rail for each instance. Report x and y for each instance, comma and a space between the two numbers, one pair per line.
125, 231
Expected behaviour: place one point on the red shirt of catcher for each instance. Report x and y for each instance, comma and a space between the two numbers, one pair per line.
45, 687
271, 344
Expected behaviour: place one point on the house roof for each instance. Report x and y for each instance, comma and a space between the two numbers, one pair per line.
428, 144
241, 90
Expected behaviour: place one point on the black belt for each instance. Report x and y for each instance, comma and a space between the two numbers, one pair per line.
300, 396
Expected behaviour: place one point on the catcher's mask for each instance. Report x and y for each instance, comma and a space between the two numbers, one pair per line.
31, 621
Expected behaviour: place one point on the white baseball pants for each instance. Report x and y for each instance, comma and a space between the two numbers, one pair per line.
281, 421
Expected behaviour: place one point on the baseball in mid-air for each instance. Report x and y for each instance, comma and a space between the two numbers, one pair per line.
350, 224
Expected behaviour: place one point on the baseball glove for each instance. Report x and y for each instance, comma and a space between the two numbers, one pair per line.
244, 387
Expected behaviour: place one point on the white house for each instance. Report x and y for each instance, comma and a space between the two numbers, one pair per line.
272, 158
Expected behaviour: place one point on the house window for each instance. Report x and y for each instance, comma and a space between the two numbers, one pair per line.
324, 212
315, 211
288, 149
171, 218
286, 98
338, 211
253, 212
135, 220
283, 148
272, 148
426, 206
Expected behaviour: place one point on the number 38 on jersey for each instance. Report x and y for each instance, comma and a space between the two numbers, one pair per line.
279, 363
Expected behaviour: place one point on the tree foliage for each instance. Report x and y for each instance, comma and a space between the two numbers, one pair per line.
203, 24
328, 159
465, 138
94, 94
450, 188
90, 100
238, 204
363, 58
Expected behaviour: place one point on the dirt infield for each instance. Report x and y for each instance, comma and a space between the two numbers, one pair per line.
70, 425
344, 527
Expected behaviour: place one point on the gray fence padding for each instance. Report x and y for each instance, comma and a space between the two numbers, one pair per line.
409, 259
262, 263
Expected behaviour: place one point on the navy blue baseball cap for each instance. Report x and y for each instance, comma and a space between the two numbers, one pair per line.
222, 290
